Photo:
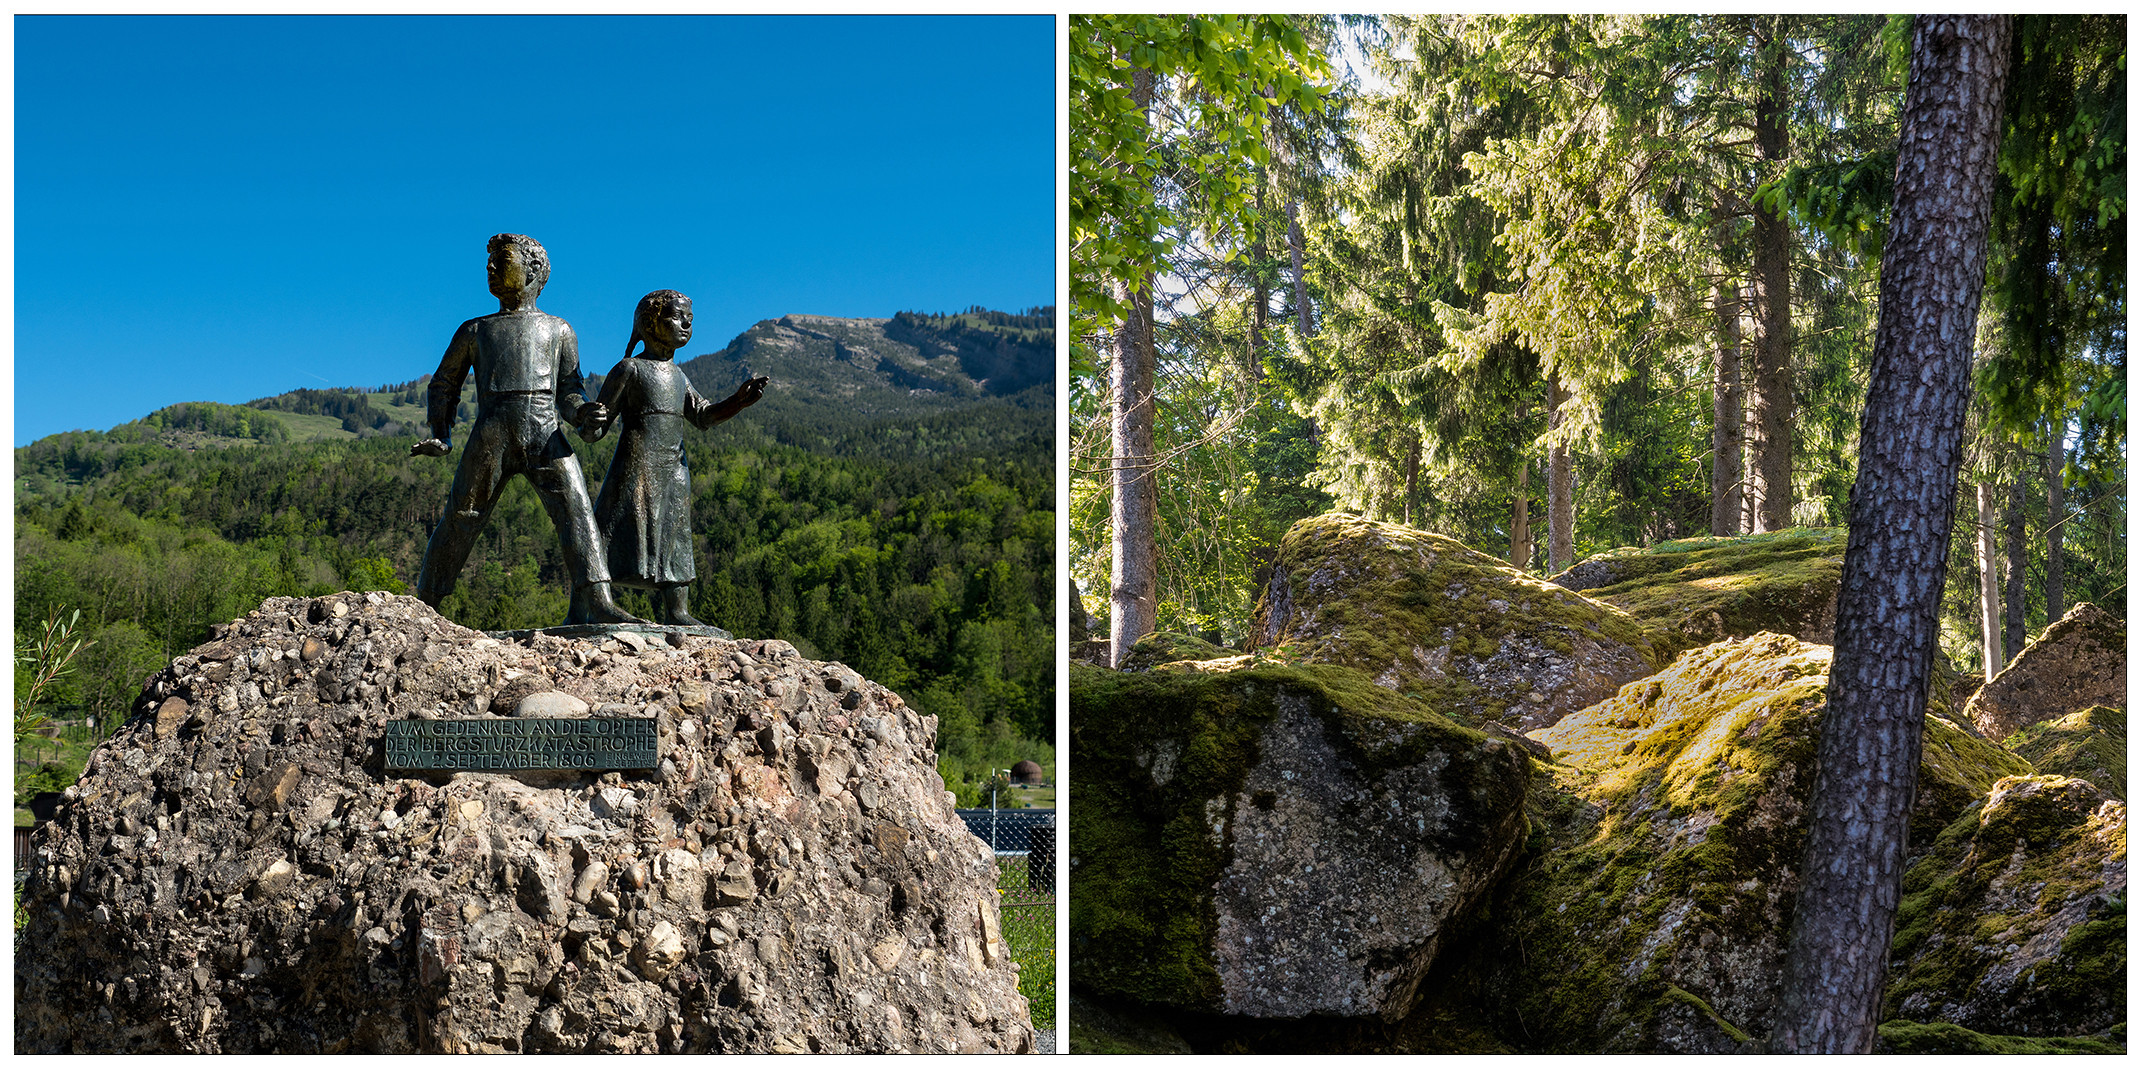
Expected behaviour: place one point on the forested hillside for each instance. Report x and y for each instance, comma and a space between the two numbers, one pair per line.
913, 539
1558, 284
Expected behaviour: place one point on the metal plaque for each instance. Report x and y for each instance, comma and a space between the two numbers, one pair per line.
565, 745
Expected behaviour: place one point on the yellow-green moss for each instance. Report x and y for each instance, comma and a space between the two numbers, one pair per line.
1153, 749
1910, 1037
1163, 649
1422, 612
1407, 587
1699, 590
2026, 862
1675, 994
2089, 745
1667, 851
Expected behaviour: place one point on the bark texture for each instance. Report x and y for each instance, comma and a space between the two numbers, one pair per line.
1520, 518
1988, 583
2055, 516
1133, 598
1560, 484
1932, 274
1727, 436
2017, 559
1293, 252
1772, 408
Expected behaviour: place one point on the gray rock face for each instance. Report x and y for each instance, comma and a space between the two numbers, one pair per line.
1342, 880
2078, 662
235, 872
1278, 842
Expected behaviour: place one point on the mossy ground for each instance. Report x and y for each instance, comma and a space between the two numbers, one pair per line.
1700, 590
1152, 751
2089, 745
1910, 1037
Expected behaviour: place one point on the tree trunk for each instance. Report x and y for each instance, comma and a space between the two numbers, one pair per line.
2055, 515
1260, 289
1726, 436
2017, 558
1771, 406
1133, 600
1988, 581
1412, 478
1520, 522
1902, 512
1293, 252
1560, 485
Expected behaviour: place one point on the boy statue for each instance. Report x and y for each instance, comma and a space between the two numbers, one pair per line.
527, 364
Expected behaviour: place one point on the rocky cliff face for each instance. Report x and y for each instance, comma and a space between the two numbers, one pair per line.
236, 871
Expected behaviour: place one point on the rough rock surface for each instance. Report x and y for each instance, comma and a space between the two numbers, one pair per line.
2078, 662
235, 872
1655, 917
1280, 841
1702, 590
1423, 614
2015, 923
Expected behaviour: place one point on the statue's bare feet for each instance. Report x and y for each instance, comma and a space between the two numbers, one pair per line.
592, 604
676, 607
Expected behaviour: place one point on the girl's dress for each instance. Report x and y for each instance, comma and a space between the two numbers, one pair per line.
644, 511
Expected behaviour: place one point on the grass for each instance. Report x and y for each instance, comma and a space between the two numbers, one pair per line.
1029, 919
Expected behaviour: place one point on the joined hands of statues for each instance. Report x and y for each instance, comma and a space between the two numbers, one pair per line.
593, 420
431, 447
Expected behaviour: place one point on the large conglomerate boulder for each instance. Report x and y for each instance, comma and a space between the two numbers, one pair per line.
2078, 662
236, 871
1425, 615
1276, 841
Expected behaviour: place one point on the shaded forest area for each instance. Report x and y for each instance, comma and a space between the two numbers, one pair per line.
917, 547
1553, 285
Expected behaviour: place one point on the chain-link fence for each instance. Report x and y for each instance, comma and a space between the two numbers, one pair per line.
1025, 845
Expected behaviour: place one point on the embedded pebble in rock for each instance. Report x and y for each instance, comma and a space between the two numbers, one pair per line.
235, 872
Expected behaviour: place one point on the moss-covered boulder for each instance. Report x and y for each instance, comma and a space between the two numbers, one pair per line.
1910, 1037
1426, 616
1172, 649
2078, 662
1653, 915
1276, 842
2015, 923
1701, 590
2089, 745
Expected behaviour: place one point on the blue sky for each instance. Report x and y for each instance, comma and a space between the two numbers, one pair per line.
224, 208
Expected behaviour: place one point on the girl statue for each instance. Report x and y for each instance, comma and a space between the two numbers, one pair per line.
644, 511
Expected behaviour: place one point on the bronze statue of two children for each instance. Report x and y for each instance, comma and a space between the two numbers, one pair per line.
527, 369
